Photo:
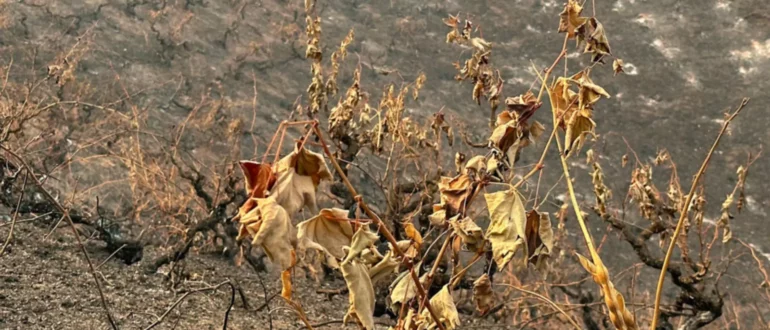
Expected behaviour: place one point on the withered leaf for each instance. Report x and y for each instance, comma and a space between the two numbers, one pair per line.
298, 175
259, 179
507, 227
482, 294
569, 18
596, 40
327, 232
362, 239
361, 294
269, 223
383, 268
411, 232
403, 288
471, 234
455, 192
539, 237
617, 66
445, 307
578, 126
523, 104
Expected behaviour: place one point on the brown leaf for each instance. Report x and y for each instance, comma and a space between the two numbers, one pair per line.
596, 40
507, 227
482, 294
578, 126
272, 230
539, 237
327, 232
455, 192
524, 104
569, 18
361, 294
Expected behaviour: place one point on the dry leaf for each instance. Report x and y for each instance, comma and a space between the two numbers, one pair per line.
596, 40
362, 239
477, 164
298, 175
361, 294
412, 234
383, 268
569, 18
471, 234
445, 308
617, 66
403, 288
438, 217
455, 192
507, 227
270, 225
482, 294
539, 237
327, 232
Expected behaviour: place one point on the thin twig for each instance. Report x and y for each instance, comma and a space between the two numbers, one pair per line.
66, 214
544, 299
15, 215
684, 211
188, 293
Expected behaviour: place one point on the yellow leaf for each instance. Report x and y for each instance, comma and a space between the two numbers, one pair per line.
403, 288
477, 164
412, 234
272, 230
383, 268
506, 229
361, 294
362, 239
327, 232
444, 306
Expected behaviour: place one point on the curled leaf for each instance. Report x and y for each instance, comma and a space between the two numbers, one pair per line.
361, 294
327, 232
470, 233
507, 226
383, 268
272, 230
445, 307
298, 175
455, 192
413, 234
569, 18
403, 288
596, 40
482, 294
617, 66
539, 237
362, 239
